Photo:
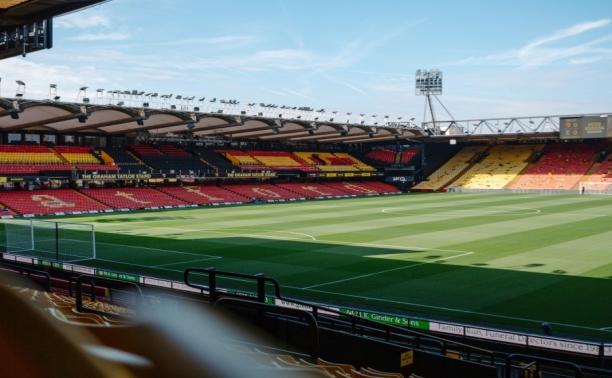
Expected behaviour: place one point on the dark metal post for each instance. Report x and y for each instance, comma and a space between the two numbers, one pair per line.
212, 284
57, 241
261, 288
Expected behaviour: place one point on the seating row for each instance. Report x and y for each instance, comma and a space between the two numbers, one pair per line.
42, 202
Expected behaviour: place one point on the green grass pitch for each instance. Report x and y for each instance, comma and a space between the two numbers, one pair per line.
498, 259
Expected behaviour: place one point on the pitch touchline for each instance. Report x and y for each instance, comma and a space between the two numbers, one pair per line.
384, 271
445, 308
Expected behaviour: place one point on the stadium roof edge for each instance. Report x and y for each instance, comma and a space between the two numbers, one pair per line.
29, 11
66, 117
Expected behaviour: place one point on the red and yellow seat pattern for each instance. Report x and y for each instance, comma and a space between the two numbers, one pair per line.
500, 167
77, 155
282, 160
457, 164
562, 167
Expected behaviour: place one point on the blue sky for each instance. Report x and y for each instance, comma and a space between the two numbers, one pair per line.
499, 58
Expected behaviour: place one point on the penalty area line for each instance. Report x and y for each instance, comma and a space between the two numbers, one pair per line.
385, 271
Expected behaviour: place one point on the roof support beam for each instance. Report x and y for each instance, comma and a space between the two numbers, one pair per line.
43, 122
97, 125
316, 136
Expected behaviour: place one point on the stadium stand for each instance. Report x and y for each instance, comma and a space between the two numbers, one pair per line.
243, 160
262, 192
334, 162
382, 155
215, 160
451, 169
204, 195
436, 154
353, 188
33, 160
49, 201
378, 186
282, 160
406, 156
76, 155
132, 198
561, 167
498, 168
602, 172
127, 162
312, 190
170, 159
28, 154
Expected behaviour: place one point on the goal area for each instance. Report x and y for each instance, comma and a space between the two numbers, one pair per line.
60, 241
595, 187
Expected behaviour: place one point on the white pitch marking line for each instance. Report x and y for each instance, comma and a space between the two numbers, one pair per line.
261, 236
447, 308
158, 249
506, 211
186, 262
385, 271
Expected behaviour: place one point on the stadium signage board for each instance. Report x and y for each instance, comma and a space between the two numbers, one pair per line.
490, 334
607, 350
345, 174
451, 329
380, 318
251, 174
588, 127
115, 176
564, 345
118, 276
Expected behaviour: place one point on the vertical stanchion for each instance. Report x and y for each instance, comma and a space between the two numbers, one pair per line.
57, 241
261, 288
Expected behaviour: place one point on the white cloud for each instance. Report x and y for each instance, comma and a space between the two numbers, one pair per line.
566, 33
82, 21
101, 37
539, 52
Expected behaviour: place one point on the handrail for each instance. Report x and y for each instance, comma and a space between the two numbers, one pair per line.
316, 309
307, 316
212, 282
522, 357
92, 282
45, 275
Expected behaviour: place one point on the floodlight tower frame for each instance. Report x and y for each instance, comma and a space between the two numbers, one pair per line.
428, 83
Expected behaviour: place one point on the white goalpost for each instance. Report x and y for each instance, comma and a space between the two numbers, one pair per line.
61, 241
595, 187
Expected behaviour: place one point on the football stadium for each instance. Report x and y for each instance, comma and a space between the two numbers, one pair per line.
149, 234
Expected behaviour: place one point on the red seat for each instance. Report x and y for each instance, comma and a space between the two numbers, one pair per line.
204, 195
40, 202
262, 191
132, 198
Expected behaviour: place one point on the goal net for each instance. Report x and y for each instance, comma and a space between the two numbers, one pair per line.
595, 187
60, 241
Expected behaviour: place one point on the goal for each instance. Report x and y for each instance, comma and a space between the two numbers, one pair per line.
595, 187
60, 241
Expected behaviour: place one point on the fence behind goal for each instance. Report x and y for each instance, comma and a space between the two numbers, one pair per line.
61, 241
595, 187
